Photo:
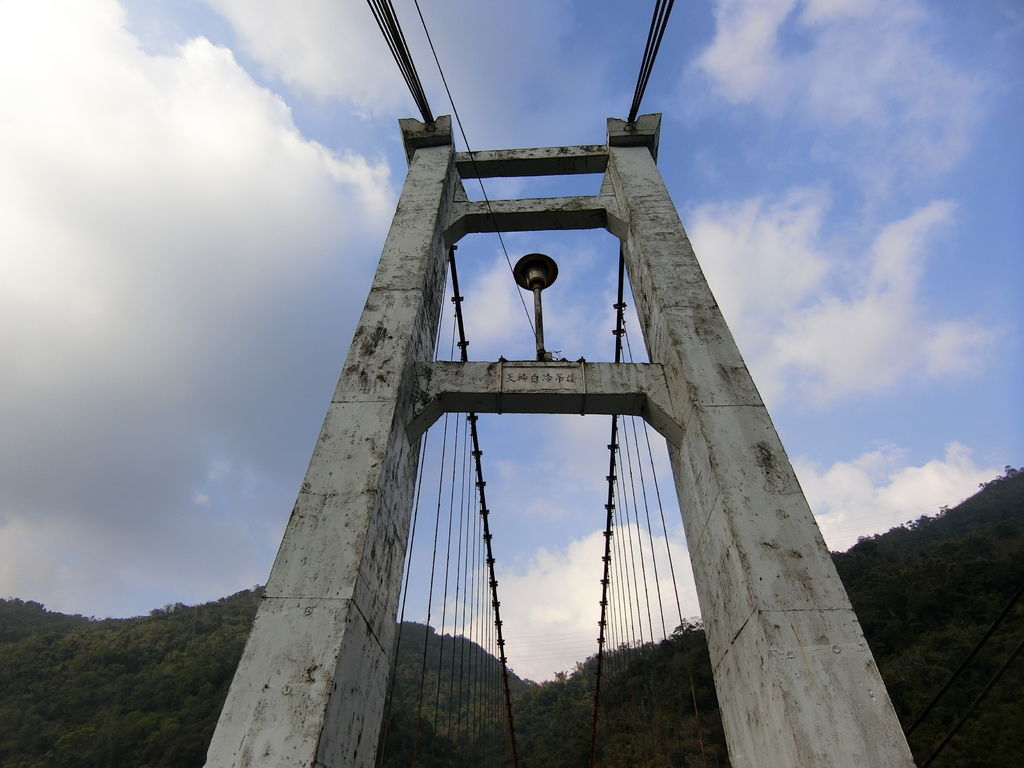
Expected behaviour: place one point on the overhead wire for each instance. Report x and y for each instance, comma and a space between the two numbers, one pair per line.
974, 704
963, 664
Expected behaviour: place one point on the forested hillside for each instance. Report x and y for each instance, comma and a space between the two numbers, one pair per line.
925, 594
146, 691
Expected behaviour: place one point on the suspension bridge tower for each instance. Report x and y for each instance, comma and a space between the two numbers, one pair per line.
796, 681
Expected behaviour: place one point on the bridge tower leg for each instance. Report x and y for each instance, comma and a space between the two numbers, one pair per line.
309, 689
797, 684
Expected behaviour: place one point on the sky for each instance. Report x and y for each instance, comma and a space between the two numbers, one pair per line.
195, 194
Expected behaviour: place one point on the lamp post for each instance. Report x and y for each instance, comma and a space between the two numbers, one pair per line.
535, 272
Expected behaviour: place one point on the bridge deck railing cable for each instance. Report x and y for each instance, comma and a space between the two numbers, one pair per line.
389, 705
430, 592
420, 474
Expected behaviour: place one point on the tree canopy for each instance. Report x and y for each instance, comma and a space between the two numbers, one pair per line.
147, 691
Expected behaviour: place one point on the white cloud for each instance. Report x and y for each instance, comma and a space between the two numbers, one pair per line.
494, 313
551, 606
864, 67
743, 59
170, 247
878, 490
819, 322
762, 257
327, 48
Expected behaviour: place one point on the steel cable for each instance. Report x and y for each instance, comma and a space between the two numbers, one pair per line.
382, 744
447, 564
974, 704
387, 20
659, 21
624, 335
484, 515
461, 586
974, 652
647, 515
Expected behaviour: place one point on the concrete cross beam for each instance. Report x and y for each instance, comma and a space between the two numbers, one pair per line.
542, 161
529, 215
637, 389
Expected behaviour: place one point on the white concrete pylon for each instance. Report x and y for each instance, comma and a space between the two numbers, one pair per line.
797, 684
309, 689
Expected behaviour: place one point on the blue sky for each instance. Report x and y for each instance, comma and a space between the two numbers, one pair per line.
195, 195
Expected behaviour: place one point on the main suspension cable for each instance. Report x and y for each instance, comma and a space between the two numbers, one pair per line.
659, 21
387, 20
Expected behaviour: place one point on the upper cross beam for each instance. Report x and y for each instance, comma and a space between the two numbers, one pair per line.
540, 161
506, 386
